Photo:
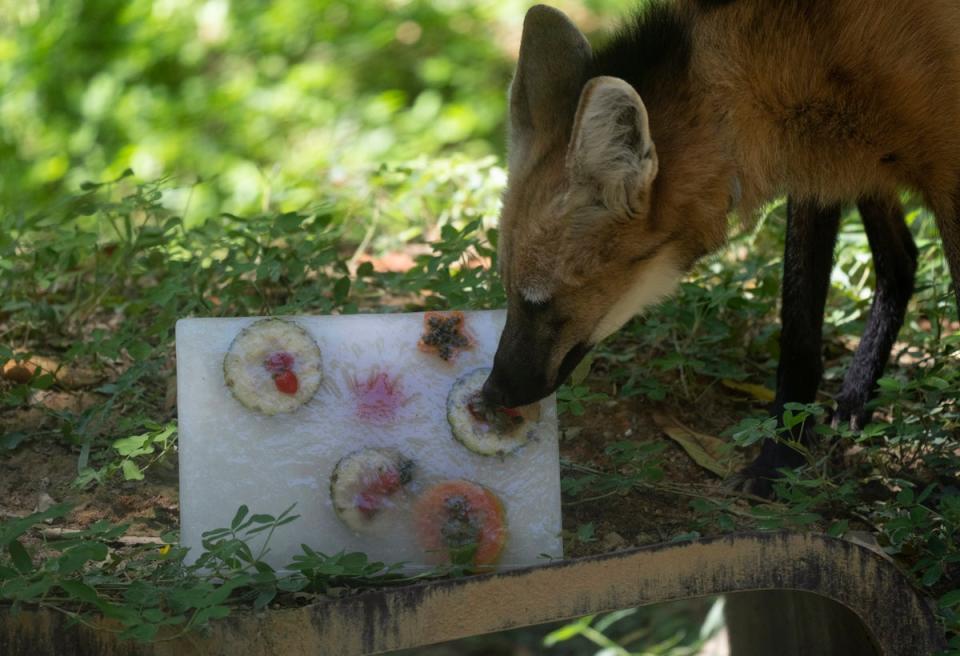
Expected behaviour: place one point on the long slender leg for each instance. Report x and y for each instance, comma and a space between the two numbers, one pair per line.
948, 223
808, 260
895, 264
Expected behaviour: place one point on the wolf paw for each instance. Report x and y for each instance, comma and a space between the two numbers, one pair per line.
850, 413
753, 480
758, 477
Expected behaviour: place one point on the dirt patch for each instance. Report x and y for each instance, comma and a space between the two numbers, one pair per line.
41, 473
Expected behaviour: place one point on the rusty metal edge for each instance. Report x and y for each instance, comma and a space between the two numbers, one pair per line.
901, 622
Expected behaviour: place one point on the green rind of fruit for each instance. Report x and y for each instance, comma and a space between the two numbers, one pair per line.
260, 403
405, 467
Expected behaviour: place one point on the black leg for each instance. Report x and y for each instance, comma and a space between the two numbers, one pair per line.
808, 260
948, 223
895, 263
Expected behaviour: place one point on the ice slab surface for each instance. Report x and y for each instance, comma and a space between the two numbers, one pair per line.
230, 455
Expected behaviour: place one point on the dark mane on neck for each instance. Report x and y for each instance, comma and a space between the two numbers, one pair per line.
650, 50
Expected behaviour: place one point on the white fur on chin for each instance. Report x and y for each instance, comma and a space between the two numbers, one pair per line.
656, 280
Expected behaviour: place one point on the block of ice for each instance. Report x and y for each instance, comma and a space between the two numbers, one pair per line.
230, 455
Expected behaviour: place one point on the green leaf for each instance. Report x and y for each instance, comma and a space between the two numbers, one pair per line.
11, 441
238, 517
80, 591
13, 529
43, 381
154, 615
585, 533
263, 518
264, 598
932, 575
131, 471
79, 555
353, 563
838, 528
950, 599
568, 631
204, 615
21, 559
293, 583
341, 289
289, 222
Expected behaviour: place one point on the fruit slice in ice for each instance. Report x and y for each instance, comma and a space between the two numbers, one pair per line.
462, 523
445, 334
485, 429
273, 366
366, 483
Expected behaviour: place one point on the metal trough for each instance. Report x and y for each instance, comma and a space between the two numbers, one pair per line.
885, 615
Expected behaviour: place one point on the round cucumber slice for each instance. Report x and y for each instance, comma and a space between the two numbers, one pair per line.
365, 483
462, 523
486, 430
273, 366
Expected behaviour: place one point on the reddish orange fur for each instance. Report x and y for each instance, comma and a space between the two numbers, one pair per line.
827, 100
832, 102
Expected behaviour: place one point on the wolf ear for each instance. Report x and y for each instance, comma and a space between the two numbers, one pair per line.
611, 152
554, 56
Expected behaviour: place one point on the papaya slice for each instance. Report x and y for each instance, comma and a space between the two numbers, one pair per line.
445, 335
273, 366
461, 523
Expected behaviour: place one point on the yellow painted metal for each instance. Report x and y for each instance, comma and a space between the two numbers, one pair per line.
898, 620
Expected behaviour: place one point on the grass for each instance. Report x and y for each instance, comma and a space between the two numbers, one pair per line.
95, 283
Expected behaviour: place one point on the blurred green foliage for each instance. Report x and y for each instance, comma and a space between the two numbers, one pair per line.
263, 101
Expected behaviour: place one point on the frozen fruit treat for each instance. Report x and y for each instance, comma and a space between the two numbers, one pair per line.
367, 483
484, 429
273, 366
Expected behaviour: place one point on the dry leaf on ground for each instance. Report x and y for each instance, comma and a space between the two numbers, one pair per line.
756, 391
711, 453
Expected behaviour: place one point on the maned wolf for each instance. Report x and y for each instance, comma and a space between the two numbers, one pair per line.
625, 162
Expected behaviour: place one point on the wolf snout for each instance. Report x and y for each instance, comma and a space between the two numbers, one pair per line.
510, 390
492, 395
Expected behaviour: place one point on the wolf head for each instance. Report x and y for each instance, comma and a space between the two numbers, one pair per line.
581, 250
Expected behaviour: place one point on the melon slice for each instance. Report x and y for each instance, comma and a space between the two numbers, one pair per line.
461, 523
484, 429
273, 366
366, 483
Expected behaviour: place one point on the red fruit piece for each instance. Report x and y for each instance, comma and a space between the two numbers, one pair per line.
386, 483
368, 504
286, 382
278, 362
500, 418
382, 485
